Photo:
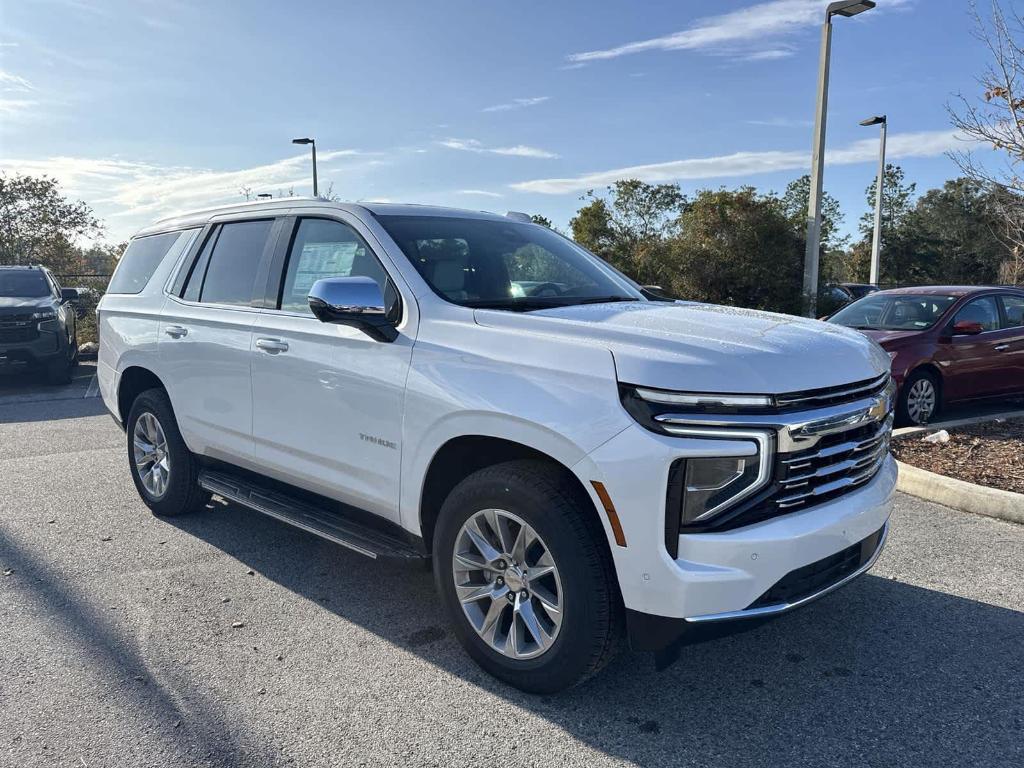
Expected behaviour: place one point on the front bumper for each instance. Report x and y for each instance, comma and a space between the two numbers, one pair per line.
718, 576
47, 346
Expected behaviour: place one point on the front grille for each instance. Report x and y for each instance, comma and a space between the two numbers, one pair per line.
821, 574
837, 464
818, 398
13, 333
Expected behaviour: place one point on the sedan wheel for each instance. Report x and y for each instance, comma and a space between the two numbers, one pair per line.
508, 584
921, 400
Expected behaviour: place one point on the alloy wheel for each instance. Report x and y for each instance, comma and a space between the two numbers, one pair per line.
921, 401
152, 461
508, 584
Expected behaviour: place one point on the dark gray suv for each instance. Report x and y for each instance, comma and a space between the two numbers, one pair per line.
37, 322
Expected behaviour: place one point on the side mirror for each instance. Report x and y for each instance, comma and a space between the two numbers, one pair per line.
354, 301
68, 294
967, 328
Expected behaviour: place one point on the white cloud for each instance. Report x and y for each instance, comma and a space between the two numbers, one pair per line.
780, 122
517, 104
14, 107
12, 82
755, 26
129, 194
478, 193
902, 145
519, 150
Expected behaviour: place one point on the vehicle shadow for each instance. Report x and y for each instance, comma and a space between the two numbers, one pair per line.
26, 395
880, 673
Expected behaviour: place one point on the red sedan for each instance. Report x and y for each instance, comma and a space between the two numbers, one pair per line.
946, 343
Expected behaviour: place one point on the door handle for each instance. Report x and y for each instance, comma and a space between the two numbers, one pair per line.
176, 331
272, 346
1001, 347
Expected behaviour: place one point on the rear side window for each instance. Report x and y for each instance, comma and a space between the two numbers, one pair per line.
1013, 309
140, 260
225, 272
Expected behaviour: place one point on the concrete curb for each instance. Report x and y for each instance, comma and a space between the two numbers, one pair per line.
903, 431
957, 494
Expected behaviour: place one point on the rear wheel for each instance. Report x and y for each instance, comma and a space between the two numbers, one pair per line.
523, 570
919, 401
165, 472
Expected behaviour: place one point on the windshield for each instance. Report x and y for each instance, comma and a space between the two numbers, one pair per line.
503, 265
905, 312
23, 284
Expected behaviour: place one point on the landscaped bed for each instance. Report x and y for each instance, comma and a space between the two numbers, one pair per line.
990, 454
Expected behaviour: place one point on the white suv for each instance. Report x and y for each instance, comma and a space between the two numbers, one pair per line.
581, 459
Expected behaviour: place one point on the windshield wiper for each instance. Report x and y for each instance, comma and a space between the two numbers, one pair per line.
601, 299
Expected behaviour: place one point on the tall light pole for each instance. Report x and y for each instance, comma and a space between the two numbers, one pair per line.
840, 8
312, 143
876, 241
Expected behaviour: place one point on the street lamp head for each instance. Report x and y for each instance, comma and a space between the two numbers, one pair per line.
849, 7
302, 141
876, 120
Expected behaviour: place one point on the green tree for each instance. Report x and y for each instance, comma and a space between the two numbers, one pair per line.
631, 229
544, 221
958, 228
39, 225
795, 201
897, 204
739, 248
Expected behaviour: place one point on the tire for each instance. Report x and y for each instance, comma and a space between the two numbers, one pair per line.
913, 403
586, 632
180, 492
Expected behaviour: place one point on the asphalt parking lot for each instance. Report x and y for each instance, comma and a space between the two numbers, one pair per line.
121, 646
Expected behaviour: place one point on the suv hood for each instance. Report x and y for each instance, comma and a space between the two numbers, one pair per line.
707, 348
18, 304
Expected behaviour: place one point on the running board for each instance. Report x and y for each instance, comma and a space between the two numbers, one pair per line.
320, 522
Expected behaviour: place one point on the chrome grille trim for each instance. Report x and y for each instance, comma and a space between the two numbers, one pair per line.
846, 393
854, 462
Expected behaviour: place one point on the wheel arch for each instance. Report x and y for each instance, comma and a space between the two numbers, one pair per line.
134, 380
463, 455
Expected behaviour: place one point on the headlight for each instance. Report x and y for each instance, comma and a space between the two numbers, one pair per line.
710, 484
47, 314
703, 487
703, 399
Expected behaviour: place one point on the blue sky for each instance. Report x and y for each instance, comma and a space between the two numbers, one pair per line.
150, 107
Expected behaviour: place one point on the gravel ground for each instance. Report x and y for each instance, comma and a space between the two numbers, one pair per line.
228, 639
989, 454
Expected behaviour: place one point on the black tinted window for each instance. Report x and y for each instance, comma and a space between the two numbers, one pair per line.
321, 249
140, 260
23, 284
228, 273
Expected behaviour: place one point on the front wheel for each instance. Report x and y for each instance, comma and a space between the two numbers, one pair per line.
919, 401
524, 572
165, 472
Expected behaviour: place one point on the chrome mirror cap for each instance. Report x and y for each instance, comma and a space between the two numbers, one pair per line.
354, 301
